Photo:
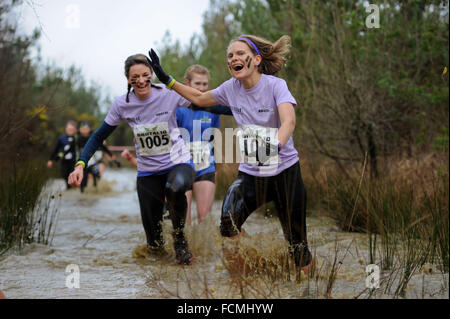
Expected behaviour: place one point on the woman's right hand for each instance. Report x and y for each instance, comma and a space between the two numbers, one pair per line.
76, 176
127, 155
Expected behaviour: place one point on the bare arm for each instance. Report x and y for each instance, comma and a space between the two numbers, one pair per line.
287, 117
129, 157
194, 95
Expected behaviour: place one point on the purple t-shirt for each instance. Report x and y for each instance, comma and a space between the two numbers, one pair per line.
259, 106
159, 145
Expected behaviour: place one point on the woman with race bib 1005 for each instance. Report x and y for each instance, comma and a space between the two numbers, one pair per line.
264, 110
165, 167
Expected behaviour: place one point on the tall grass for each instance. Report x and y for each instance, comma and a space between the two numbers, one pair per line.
25, 216
406, 208
436, 204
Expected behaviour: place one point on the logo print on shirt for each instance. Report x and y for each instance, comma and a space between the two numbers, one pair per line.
162, 113
237, 109
153, 129
137, 119
206, 119
265, 110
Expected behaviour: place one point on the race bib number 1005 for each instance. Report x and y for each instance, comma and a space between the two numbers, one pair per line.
153, 139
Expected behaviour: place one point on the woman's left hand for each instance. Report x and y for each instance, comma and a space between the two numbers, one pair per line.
157, 68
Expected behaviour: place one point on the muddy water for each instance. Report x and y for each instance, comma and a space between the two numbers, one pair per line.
100, 231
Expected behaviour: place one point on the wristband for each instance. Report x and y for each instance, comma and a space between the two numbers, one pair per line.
81, 163
171, 83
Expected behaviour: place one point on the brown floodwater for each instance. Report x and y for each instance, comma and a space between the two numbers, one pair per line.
100, 231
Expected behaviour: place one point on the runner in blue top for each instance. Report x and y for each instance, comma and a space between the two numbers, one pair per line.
199, 123
165, 167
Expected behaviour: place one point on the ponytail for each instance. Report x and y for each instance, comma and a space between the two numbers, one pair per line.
128, 92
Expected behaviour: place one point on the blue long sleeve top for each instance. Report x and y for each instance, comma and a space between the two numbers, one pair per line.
95, 141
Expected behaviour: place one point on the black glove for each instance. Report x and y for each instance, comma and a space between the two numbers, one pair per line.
157, 68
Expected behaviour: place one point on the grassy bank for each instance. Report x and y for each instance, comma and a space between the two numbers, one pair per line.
404, 212
26, 214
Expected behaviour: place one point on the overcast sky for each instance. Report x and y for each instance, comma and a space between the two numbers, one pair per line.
97, 36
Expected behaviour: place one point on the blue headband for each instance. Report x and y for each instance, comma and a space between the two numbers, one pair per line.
252, 44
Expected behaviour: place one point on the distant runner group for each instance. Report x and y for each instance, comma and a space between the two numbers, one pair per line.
70, 145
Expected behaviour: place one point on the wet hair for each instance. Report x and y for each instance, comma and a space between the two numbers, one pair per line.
133, 60
273, 54
195, 68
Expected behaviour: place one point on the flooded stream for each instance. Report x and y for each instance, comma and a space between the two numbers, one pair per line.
101, 232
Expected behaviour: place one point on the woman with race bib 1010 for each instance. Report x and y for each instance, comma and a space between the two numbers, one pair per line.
264, 110
165, 167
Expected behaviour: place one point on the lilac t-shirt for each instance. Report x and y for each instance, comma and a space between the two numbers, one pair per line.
159, 145
259, 106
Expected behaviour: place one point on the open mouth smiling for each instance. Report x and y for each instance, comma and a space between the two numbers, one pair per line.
140, 86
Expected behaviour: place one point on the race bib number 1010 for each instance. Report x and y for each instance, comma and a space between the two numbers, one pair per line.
254, 144
153, 139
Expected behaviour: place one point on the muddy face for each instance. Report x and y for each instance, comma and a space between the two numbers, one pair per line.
240, 60
140, 80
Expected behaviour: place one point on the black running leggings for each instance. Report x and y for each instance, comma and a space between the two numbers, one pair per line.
151, 191
248, 192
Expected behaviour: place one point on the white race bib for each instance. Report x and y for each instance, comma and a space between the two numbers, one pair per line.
200, 152
153, 139
253, 140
